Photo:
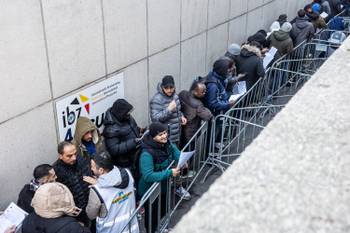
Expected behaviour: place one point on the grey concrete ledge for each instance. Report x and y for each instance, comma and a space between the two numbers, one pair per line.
295, 177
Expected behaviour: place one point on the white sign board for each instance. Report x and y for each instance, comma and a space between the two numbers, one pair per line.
91, 102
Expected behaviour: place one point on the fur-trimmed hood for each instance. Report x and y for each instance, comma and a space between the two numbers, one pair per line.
249, 50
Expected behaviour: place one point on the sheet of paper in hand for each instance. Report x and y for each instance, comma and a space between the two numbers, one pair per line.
324, 15
269, 56
13, 215
238, 90
184, 157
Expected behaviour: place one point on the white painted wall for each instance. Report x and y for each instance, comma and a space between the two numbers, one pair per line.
50, 48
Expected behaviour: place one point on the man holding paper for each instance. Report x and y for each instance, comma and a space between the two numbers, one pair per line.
216, 98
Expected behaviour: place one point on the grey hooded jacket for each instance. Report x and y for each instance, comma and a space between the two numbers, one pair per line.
302, 30
160, 113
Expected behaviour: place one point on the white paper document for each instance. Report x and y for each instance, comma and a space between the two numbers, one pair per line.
269, 56
184, 157
238, 90
324, 15
13, 215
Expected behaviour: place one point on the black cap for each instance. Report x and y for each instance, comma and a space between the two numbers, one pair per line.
156, 127
168, 81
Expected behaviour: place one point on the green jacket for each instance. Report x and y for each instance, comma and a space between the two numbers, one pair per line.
151, 172
282, 42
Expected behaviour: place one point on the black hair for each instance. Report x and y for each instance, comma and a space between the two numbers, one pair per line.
196, 82
103, 160
301, 13
41, 171
222, 65
62, 145
282, 17
262, 31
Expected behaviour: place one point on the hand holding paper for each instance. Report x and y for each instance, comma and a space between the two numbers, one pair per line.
12, 216
184, 157
238, 90
269, 56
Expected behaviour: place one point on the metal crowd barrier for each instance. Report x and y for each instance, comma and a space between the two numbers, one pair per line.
267, 96
219, 142
153, 197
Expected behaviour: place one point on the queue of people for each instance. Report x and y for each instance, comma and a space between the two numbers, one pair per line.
98, 177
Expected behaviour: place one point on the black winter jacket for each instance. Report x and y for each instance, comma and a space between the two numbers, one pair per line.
72, 177
36, 224
25, 199
251, 64
120, 139
335, 7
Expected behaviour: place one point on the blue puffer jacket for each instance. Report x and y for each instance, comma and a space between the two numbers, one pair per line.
216, 98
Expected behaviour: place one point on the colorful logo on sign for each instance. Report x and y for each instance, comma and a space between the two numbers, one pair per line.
121, 197
74, 110
91, 102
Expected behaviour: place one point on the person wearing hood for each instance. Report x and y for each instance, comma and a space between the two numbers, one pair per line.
121, 134
165, 107
87, 138
193, 109
302, 29
250, 63
216, 98
54, 211
74, 171
42, 174
112, 196
281, 40
313, 13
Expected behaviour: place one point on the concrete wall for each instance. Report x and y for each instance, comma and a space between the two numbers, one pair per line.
295, 176
51, 48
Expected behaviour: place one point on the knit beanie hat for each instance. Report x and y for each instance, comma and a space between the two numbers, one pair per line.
286, 27
234, 49
53, 200
168, 81
121, 108
156, 127
275, 26
316, 8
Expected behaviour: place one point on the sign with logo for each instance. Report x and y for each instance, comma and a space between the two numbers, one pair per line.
91, 102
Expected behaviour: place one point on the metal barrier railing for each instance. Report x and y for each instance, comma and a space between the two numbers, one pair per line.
153, 197
283, 79
230, 133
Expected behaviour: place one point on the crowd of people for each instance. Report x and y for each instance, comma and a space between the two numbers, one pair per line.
98, 177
